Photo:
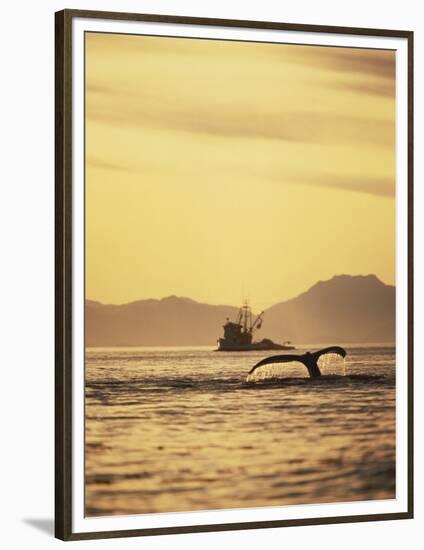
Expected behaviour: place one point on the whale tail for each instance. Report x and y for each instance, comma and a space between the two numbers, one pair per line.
309, 360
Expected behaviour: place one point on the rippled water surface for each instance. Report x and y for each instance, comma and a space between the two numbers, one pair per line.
180, 429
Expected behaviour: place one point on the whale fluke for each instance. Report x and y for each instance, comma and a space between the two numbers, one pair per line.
310, 360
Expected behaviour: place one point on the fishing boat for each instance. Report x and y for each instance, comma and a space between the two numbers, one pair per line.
238, 334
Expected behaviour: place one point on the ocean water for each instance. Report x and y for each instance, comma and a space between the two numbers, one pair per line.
180, 429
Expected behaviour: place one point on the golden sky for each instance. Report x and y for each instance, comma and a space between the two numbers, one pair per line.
222, 170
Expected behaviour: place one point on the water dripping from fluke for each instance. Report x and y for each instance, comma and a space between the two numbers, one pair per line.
330, 360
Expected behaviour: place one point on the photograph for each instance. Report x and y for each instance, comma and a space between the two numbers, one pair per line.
240, 274
208, 275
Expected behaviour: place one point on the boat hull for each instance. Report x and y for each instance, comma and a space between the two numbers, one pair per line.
224, 345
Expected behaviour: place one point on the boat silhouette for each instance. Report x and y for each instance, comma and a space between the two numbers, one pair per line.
238, 334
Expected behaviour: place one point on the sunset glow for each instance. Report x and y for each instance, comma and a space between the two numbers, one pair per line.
221, 170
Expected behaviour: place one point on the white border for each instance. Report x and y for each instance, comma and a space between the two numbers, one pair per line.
81, 524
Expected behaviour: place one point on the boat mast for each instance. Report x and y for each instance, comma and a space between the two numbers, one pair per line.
245, 316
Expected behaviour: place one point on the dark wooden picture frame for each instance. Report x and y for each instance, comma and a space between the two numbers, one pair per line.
64, 262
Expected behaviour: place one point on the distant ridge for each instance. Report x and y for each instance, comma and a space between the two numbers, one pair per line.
345, 308
171, 321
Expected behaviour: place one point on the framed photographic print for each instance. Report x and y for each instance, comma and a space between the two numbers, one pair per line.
233, 274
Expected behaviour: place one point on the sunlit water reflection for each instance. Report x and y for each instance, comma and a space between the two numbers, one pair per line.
179, 429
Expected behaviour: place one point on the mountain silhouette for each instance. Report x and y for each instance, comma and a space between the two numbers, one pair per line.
343, 309
172, 321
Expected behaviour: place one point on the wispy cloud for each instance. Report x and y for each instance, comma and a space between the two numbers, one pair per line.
290, 108
229, 120
258, 91
384, 187
355, 69
97, 163
360, 61
383, 87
